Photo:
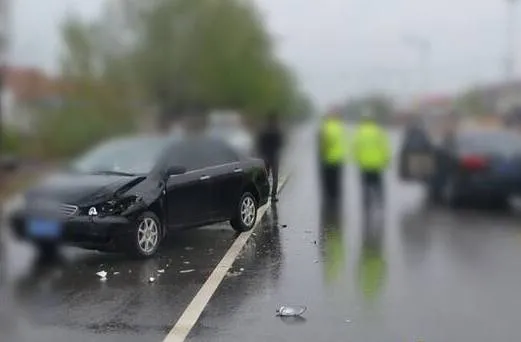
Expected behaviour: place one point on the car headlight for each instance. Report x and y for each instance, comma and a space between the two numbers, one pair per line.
113, 207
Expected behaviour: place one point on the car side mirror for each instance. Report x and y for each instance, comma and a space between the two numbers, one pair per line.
175, 170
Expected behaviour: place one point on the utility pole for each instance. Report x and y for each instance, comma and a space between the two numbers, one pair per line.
4, 41
4, 34
511, 35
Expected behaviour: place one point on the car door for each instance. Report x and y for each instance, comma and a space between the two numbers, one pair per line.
227, 178
188, 196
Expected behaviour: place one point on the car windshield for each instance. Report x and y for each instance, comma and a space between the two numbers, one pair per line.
123, 156
490, 143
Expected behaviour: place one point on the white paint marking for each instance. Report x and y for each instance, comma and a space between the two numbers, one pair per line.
196, 307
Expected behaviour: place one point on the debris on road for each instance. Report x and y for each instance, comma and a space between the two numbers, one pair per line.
102, 275
187, 271
151, 279
233, 274
284, 225
160, 271
291, 311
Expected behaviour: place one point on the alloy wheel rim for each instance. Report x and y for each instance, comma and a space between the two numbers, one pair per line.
248, 211
148, 235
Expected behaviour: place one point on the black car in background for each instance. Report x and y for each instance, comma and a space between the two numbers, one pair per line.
129, 193
475, 166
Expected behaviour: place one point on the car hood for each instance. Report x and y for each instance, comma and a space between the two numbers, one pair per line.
78, 189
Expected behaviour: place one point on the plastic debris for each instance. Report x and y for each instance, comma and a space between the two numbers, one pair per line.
102, 275
151, 279
186, 271
291, 311
160, 271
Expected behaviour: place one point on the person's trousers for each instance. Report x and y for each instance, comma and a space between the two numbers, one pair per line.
372, 187
331, 182
272, 165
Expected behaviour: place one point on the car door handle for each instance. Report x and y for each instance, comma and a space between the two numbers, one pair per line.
237, 170
204, 178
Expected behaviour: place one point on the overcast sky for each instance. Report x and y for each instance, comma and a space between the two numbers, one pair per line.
337, 47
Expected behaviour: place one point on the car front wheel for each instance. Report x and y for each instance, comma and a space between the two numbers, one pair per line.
245, 213
147, 236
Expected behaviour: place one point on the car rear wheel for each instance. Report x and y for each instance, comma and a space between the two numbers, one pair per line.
499, 203
245, 213
451, 194
147, 237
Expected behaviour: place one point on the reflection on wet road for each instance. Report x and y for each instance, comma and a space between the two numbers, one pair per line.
420, 273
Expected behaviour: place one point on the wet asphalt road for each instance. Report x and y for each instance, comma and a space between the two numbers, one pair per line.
421, 273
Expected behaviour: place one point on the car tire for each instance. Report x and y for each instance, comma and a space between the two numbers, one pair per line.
47, 250
245, 213
146, 237
499, 203
451, 194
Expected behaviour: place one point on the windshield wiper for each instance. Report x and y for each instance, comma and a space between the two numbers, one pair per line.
113, 173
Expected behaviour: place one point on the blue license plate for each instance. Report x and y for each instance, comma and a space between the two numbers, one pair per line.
44, 229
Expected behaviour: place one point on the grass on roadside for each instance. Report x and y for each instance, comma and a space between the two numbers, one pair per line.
11, 184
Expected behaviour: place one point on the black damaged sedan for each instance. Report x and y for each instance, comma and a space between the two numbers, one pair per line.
127, 194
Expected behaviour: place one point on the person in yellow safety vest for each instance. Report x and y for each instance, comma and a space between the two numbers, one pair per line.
372, 153
332, 156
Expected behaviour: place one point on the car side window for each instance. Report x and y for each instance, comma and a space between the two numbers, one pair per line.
213, 152
182, 154
220, 153
200, 154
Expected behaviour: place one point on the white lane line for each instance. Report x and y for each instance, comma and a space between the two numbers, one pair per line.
196, 307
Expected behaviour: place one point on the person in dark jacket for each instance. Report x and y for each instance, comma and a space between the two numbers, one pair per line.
270, 142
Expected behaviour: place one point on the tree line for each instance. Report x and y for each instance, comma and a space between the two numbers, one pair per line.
175, 57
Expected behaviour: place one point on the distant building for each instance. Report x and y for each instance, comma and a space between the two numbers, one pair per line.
434, 106
500, 98
25, 91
